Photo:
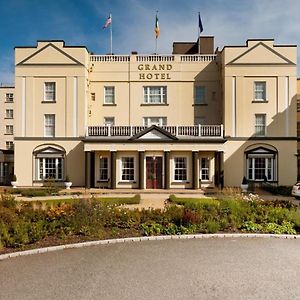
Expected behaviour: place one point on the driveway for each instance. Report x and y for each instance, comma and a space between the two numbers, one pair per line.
232, 268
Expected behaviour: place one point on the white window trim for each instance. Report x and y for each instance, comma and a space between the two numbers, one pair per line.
134, 168
9, 97
52, 100
11, 143
45, 135
105, 119
209, 168
161, 119
265, 156
114, 95
56, 167
265, 91
187, 168
9, 113
147, 95
8, 131
265, 125
108, 169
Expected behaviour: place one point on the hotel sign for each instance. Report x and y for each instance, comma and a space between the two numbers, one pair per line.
154, 72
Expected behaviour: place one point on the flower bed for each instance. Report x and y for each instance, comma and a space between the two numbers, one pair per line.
23, 225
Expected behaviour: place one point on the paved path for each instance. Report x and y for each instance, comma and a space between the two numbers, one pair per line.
174, 269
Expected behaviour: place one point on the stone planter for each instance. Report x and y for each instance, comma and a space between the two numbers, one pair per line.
14, 184
244, 187
68, 184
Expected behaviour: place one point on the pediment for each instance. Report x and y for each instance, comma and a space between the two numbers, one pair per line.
261, 150
49, 151
50, 55
154, 133
261, 54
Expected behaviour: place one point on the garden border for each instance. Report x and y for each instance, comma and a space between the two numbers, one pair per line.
146, 238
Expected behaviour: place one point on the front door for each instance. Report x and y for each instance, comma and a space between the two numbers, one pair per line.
153, 172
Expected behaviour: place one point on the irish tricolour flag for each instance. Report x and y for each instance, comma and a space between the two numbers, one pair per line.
107, 22
156, 29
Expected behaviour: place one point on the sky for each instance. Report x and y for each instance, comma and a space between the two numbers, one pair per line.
79, 22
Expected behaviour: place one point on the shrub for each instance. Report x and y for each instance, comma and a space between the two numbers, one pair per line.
8, 201
212, 226
151, 228
250, 226
278, 190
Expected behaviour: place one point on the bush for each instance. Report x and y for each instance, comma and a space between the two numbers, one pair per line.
277, 190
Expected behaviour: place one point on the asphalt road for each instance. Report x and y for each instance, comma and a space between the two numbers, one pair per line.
173, 269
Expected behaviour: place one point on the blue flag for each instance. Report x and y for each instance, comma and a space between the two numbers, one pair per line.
200, 24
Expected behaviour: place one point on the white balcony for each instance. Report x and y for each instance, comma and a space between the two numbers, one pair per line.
201, 131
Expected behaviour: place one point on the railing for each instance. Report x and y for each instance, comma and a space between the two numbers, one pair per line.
179, 131
110, 58
201, 57
154, 58
151, 58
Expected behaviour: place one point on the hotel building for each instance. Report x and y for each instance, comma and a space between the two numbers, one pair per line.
185, 120
6, 134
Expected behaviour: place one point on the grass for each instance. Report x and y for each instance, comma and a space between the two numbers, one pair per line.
194, 202
108, 201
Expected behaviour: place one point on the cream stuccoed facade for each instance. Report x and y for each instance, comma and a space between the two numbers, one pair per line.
186, 120
6, 133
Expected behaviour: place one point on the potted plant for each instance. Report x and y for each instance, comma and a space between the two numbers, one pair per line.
244, 185
14, 181
68, 183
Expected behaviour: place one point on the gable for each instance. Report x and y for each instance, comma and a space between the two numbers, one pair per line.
154, 133
50, 55
49, 152
261, 54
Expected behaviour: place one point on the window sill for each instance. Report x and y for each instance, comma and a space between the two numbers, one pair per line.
104, 180
180, 181
127, 181
200, 104
47, 180
8, 134
6, 118
260, 101
49, 101
154, 104
8, 101
107, 104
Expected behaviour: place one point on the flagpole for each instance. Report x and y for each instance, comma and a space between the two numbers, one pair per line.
198, 33
111, 35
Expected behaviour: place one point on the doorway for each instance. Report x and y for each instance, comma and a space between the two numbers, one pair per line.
154, 172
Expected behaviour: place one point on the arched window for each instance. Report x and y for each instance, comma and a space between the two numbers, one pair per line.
261, 164
49, 163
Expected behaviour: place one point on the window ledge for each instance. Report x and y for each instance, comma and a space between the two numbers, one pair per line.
104, 180
8, 101
8, 134
49, 101
6, 118
154, 104
200, 104
107, 104
45, 180
127, 181
180, 181
260, 101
